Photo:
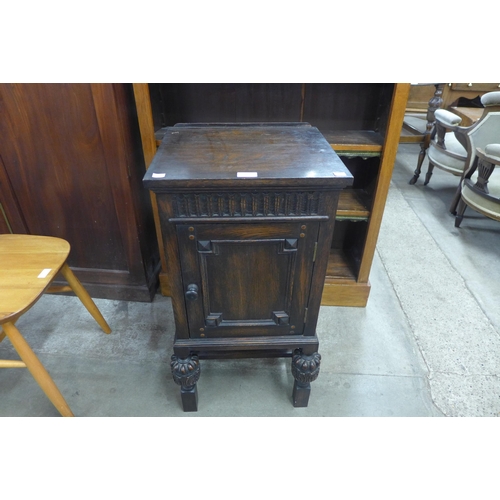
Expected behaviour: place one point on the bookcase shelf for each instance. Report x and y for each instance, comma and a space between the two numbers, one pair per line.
355, 141
353, 205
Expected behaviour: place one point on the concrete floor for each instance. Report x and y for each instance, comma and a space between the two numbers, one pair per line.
426, 345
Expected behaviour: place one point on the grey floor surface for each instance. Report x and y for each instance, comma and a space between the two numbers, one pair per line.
426, 345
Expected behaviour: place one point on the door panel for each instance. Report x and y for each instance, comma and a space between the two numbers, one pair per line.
249, 278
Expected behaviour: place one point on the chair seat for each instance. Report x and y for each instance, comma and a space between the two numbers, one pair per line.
443, 160
483, 204
416, 123
28, 264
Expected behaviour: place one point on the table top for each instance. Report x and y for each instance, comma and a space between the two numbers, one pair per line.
245, 154
469, 115
28, 264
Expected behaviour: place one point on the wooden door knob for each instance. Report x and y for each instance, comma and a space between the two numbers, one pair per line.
192, 292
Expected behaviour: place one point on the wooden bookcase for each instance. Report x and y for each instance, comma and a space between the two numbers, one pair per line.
362, 123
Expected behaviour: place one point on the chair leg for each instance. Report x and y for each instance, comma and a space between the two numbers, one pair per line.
36, 368
457, 198
428, 175
460, 212
84, 296
421, 158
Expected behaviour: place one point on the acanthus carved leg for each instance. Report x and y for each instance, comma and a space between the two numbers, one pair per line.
305, 369
186, 372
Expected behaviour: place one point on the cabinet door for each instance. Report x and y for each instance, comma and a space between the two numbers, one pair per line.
246, 279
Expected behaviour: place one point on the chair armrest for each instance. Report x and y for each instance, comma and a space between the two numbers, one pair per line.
490, 99
492, 152
447, 118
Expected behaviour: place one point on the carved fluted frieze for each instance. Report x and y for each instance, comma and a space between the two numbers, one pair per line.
257, 204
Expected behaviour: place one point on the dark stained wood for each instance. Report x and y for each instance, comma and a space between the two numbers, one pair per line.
215, 155
171, 250
55, 124
4, 223
368, 141
72, 168
247, 256
263, 292
340, 106
11, 214
345, 106
225, 102
257, 346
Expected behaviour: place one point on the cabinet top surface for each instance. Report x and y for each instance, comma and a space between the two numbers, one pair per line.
229, 154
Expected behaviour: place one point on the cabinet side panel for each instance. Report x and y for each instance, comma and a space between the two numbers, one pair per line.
171, 250
325, 234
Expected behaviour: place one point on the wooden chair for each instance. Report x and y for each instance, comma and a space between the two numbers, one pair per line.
481, 188
28, 265
453, 148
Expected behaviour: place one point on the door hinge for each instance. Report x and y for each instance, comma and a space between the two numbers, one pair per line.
315, 250
305, 315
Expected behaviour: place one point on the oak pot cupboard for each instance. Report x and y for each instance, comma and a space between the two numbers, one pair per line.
247, 214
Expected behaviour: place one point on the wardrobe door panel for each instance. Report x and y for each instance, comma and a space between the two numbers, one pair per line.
69, 161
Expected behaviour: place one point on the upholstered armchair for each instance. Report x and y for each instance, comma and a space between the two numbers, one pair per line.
481, 185
453, 147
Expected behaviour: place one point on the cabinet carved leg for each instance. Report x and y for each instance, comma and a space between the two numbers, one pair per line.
305, 369
186, 372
